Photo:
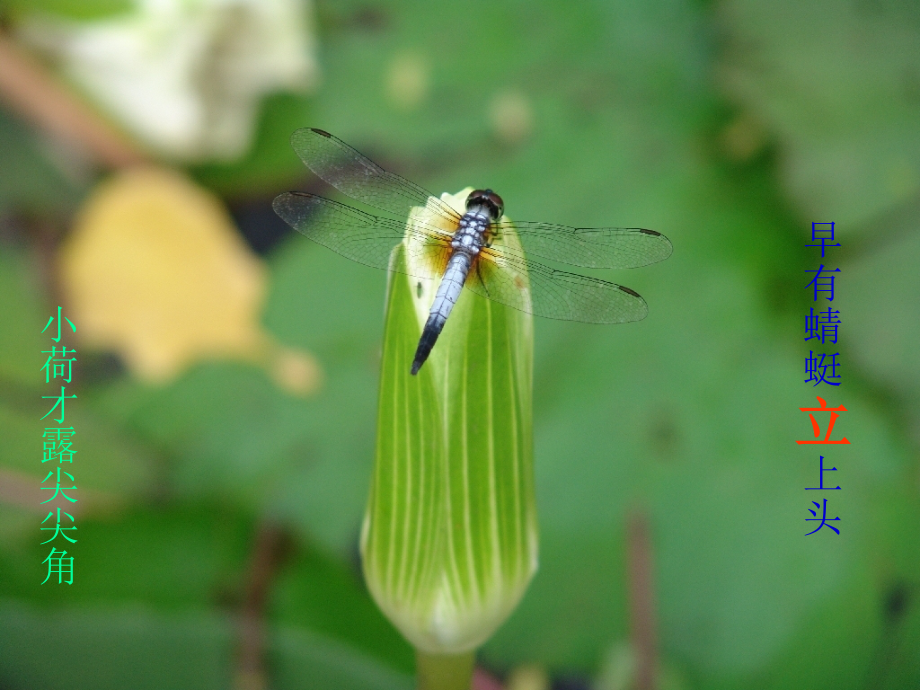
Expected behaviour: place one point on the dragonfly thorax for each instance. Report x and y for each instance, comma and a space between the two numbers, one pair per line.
471, 231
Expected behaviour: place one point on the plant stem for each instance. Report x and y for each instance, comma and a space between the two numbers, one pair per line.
44, 101
444, 671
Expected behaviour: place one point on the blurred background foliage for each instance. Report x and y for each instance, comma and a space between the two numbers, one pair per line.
223, 460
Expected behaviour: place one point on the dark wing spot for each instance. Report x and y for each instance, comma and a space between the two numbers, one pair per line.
650, 232
322, 132
630, 292
418, 289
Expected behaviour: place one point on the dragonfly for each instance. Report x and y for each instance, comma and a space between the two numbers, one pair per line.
468, 249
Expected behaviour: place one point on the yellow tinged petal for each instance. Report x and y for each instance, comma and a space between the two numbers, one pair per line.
155, 270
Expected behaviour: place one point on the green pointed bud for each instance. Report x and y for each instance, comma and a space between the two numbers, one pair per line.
449, 541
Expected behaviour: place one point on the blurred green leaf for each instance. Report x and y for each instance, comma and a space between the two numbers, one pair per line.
28, 181
321, 594
83, 10
303, 659
100, 649
110, 465
25, 314
880, 293
838, 86
104, 648
178, 558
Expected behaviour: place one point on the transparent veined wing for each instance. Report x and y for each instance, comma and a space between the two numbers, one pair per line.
591, 247
358, 177
554, 294
500, 273
361, 237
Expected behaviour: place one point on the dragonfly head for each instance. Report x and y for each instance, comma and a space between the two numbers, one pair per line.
487, 198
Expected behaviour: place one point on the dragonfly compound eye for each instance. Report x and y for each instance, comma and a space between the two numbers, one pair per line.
489, 199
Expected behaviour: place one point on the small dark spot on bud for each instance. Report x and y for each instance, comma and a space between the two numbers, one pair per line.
418, 289
896, 600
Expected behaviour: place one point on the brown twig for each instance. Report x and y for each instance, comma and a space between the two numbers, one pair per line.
27, 87
641, 600
266, 556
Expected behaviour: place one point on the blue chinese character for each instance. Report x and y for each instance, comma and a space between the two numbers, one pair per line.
820, 232
825, 284
824, 519
817, 369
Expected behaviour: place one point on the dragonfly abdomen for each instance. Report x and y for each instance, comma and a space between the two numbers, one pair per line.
467, 243
458, 267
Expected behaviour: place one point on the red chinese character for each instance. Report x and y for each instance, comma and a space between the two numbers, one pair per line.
830, 426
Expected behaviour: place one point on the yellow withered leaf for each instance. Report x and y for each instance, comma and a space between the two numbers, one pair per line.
155, 270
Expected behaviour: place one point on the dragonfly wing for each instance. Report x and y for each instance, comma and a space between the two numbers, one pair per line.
361, 237
360, 178
553, 294
591, 247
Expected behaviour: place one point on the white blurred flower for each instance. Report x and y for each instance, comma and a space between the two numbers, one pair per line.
186, 76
